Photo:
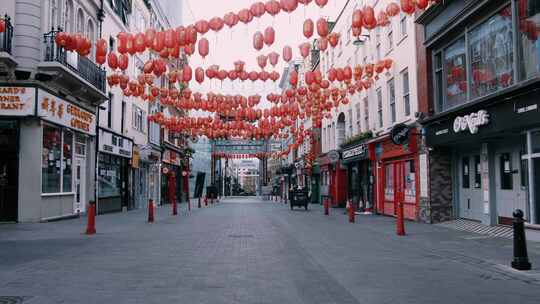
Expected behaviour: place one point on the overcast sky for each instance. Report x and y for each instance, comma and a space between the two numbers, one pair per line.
227, 47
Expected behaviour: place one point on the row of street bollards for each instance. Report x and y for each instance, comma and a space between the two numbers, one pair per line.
91, 212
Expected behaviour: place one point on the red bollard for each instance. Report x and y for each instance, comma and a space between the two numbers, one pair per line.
326, 207
150, 211
91, 225
174, 208
206, 200
400, 221
199, 203
351, 212
189, 204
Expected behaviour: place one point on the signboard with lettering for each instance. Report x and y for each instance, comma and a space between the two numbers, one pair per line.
172, 157
64, 113
358, 151
400, 134
471, 122
333, 156
17, 101
114, 144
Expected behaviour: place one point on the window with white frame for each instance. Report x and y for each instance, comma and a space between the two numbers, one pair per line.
403, 24
358, 118
366, 114
139, 117
406, 93
392, 99
80, 21
379, 107
57, 160
390, 38
68, 17
378, 52
54, 14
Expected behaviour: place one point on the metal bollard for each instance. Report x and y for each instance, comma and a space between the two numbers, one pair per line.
150, 211
91, 224
521, 258
199, 203
351, 212
400, 221
206, 201
326, 207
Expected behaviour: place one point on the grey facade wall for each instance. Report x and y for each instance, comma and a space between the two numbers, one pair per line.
29, 171
28, 34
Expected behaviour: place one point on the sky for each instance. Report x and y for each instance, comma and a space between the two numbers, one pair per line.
229, 46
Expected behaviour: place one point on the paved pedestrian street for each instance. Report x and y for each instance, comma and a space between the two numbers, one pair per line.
246, 250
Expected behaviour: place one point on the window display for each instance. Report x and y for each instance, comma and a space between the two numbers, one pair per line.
389, 184
110, 181
410, 181
456, 75
50, 161
529, 50
492, 54
67, 156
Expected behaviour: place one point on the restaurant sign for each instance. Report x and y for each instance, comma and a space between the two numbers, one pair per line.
17, 101
358, 151
64, 113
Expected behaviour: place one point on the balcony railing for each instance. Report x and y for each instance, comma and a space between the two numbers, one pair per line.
81, 66
6, 36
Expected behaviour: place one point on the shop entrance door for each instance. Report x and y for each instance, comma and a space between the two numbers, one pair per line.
470, 185
9, 171
80, 185
509, 192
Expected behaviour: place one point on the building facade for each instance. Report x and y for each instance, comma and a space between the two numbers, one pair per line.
48, 110
483, 121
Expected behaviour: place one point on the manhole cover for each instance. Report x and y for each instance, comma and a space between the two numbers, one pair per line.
12, 300
239, 236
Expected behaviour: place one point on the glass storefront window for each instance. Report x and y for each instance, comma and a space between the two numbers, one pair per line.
492, 55
50, 159
535, 142
389, 184
456, 75
410, 182
529, 49
67, 154
109, 176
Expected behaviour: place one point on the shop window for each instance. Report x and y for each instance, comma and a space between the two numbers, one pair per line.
67, 164
410, 181
80, 144
535, 141
506, 171
57, 160
524, 174
477, 172
529, 49
109, 176
456, 75
492, 55
389, 182
51, 156
465, 173
438, 81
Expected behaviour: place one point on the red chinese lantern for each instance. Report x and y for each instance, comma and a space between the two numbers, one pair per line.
216, 24
272, 7
322, 27
2, 25
231, 19
262, 61
112, 60
181, 35
357, 18
308, 28
101, 48
269, 36
222, 74
273, 58
321, 3
407, 6
287, 54
233, 75
333, 39
304, 49
293, 78
187, 73
368, 17
149, 36
288, 5
245, 16
388, 63
274, 76
323, 44
122, 42
392, 9
191, 35
170, 38
422, 4
60, 39
239, 66
203, 47
253, 76
258, 41
202, 26
356, 31
257, 9
123, 62
159, 42
139, 43
264, 75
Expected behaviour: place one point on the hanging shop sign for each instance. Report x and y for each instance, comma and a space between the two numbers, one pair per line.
471, 122
172, 157
113, 144
17, 101
64, 113
358, 151
333, 156
400, 134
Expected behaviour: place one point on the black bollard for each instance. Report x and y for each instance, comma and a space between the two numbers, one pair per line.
521, 259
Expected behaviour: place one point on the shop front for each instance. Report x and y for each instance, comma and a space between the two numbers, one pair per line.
114, 172
396, 171
359, 176
171, 176
333, 178
150, 158
46, 143
495, 158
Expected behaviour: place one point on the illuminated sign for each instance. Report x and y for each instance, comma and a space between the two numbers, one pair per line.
17, 101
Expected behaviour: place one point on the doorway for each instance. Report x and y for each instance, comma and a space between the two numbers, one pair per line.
80, 185
9, 171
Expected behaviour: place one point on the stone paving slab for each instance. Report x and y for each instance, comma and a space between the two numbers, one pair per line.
244, 250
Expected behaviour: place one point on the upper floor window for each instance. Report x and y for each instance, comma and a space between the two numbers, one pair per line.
456, 75
68, 18
390, 38
55, 14
392, 99
379, 107
492, 55
366, 114
403, 24
122, 8
358, 118
529, 49
80, 21
406, 93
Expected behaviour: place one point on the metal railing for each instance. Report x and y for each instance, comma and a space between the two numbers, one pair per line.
7, 36
81, 66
